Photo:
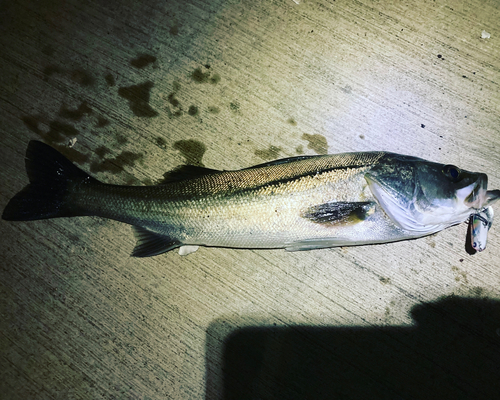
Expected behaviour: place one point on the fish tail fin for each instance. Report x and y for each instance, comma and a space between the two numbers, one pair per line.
51, 177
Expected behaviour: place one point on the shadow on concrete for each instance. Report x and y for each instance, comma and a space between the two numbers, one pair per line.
453, 352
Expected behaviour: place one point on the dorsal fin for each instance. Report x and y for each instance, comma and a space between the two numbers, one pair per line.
280, 161
185, 172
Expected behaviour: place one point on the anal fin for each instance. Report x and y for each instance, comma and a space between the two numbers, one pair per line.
317, 243
152, 244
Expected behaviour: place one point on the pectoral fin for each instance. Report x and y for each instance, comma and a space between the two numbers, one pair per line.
339, 212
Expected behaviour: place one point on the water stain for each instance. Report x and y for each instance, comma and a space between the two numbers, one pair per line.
102, 151
32, 123
48, 50
460, 275
234, 106
176, 86
174, 30
71, 153
174, 114
75, 115
205, 77
271, 153
82, 77
193, 110
59, 131
142, 60
79, 76
172, 100
50, 70
292, 122
117, 164
347, 89
192, 151
214, 110
318, 143
56, 136
138, 97
121, 139
102, 122
161, 142
110, 79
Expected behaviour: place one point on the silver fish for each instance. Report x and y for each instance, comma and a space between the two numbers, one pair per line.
298, 203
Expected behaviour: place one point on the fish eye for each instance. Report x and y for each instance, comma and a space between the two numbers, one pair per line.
452, 172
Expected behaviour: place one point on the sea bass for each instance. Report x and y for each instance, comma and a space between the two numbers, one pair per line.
298, 203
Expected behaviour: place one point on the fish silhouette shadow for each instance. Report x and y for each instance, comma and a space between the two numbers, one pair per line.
452, 352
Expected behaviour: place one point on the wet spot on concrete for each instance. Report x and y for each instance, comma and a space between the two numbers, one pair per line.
174, 30
347, 89
317, 143
142, 60
71, 154
192, 151
138, 97
176, 86
102, 151
102, 122
59, 131
75, 115
50, 70
32, 123
214, 110
121, 139
117, 164
215, 79
292, 122
193, 110
234, 106
82, 77
199, 76
205, 77
270, 154
110, 79
161, 142
172, 100
133, 181
48, 50
174, 114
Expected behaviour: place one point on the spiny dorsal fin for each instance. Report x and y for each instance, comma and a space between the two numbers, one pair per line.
185, 172
281, 161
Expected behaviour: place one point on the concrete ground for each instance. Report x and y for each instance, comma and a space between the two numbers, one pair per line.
129, 90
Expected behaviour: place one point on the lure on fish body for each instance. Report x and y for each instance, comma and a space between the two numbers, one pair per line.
298, 203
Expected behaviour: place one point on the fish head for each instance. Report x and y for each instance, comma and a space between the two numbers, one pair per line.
424, 197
